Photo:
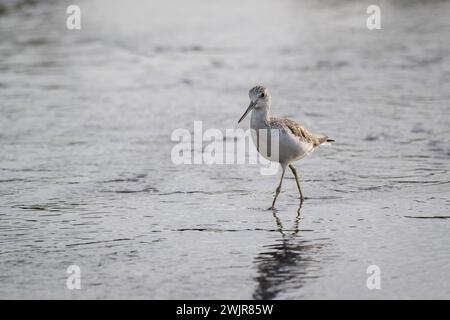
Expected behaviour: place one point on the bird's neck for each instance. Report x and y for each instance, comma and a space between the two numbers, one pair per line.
260, 117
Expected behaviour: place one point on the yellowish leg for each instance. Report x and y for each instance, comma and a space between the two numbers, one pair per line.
277, 191
294, 171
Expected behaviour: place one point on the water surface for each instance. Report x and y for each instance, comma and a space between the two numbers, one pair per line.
86, 176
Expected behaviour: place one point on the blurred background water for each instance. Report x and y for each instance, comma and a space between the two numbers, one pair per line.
86, 176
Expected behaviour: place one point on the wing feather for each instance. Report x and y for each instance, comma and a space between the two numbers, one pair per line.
299, 131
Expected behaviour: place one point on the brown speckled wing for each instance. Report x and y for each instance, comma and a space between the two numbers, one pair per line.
298, 131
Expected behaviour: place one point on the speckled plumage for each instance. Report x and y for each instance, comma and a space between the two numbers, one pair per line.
298, 130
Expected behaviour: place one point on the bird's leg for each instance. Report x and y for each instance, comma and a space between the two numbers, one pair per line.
294, 171
277, 191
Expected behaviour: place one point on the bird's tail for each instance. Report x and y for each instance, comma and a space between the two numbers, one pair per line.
326, 141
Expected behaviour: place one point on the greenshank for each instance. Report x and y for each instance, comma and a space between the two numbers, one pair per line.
294, 142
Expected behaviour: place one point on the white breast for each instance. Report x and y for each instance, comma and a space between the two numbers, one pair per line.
280, 145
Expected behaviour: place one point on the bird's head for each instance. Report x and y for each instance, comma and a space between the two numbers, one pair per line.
259, 100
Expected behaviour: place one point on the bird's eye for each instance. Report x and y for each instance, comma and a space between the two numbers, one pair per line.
263, 95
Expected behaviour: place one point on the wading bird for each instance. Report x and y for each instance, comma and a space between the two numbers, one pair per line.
294, 142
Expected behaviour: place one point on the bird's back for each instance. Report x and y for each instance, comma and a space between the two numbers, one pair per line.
300, 132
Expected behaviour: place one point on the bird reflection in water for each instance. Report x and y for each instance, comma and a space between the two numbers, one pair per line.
287, 264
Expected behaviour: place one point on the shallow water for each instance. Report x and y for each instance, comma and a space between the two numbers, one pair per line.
86, 176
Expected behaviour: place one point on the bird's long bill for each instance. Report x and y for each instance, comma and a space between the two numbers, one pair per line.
250, 107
